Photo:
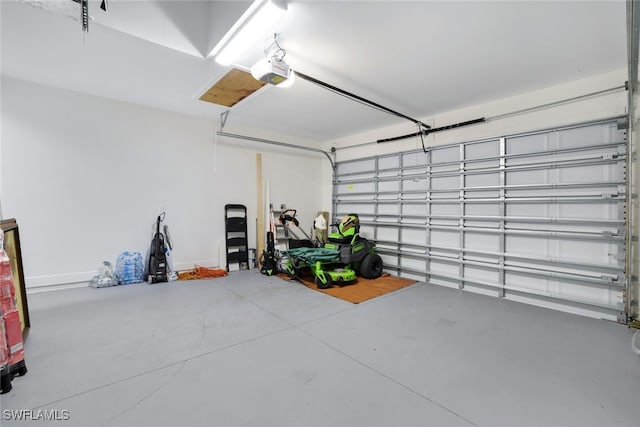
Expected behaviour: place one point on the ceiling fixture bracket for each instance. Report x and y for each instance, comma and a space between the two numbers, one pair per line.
84, 12
223, 118
272, 68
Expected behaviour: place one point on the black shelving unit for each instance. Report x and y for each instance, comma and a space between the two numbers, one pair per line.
235, 218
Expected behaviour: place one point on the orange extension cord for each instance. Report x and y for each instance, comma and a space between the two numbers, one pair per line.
202, 273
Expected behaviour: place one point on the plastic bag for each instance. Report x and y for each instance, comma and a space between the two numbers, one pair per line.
106, 276
129, 268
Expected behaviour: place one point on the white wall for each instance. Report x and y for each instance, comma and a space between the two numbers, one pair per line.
85, 178
593, 108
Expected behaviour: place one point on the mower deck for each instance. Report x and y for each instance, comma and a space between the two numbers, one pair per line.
324, 264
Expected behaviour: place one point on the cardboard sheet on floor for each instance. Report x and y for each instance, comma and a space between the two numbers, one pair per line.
361, 289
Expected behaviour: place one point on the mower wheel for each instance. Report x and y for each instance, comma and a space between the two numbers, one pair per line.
321, 285
295, 274
371, 267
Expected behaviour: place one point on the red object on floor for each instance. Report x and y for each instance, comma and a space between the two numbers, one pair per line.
5, 375
4, 348
12, 343
15, 343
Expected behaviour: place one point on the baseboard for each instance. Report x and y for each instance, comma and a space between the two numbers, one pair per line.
34, 282
46, 281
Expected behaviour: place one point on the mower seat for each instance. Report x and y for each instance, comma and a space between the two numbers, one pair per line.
338, 238
348, 230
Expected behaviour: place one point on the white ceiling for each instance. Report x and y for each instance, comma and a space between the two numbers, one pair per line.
416, 57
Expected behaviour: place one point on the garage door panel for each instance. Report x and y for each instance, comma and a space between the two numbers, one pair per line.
475, 196
389, 186
357, 187
389, 162
530, 282
415, 209
387, 174
445, 183
445, 238
590, 173
529, 209
483, 209
482, 150
360, 209
480, 180
450, 209
477, 166
445, 222
445, 268
389, 261
389, 234
491, 257
587, 251
416, 237
443, 197
482, 224
487, 274
545, 224
568, 193
414, 159
443, 281
586, 136
412, 263
527, 177
415, 184
602, 211
481, 241
355, 167
596, 294
389, 209
526, 245
445, 155
527, 144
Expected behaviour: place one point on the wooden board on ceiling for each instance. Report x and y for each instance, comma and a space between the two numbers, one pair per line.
235, 86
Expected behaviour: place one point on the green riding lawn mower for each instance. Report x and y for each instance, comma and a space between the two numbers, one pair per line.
345, 255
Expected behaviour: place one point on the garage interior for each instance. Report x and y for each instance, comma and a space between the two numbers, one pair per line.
488, 149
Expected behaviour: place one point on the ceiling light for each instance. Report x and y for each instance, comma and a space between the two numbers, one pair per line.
261, 15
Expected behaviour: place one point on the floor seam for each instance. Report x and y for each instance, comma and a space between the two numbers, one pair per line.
249, 299
289, 326
393, 380
151, 371
160, 387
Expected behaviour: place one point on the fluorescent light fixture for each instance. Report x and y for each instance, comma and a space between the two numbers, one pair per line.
261, 15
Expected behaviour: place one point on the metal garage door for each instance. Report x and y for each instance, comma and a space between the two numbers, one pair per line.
536, 217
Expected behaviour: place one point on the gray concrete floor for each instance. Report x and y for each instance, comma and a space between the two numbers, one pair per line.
250, 350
